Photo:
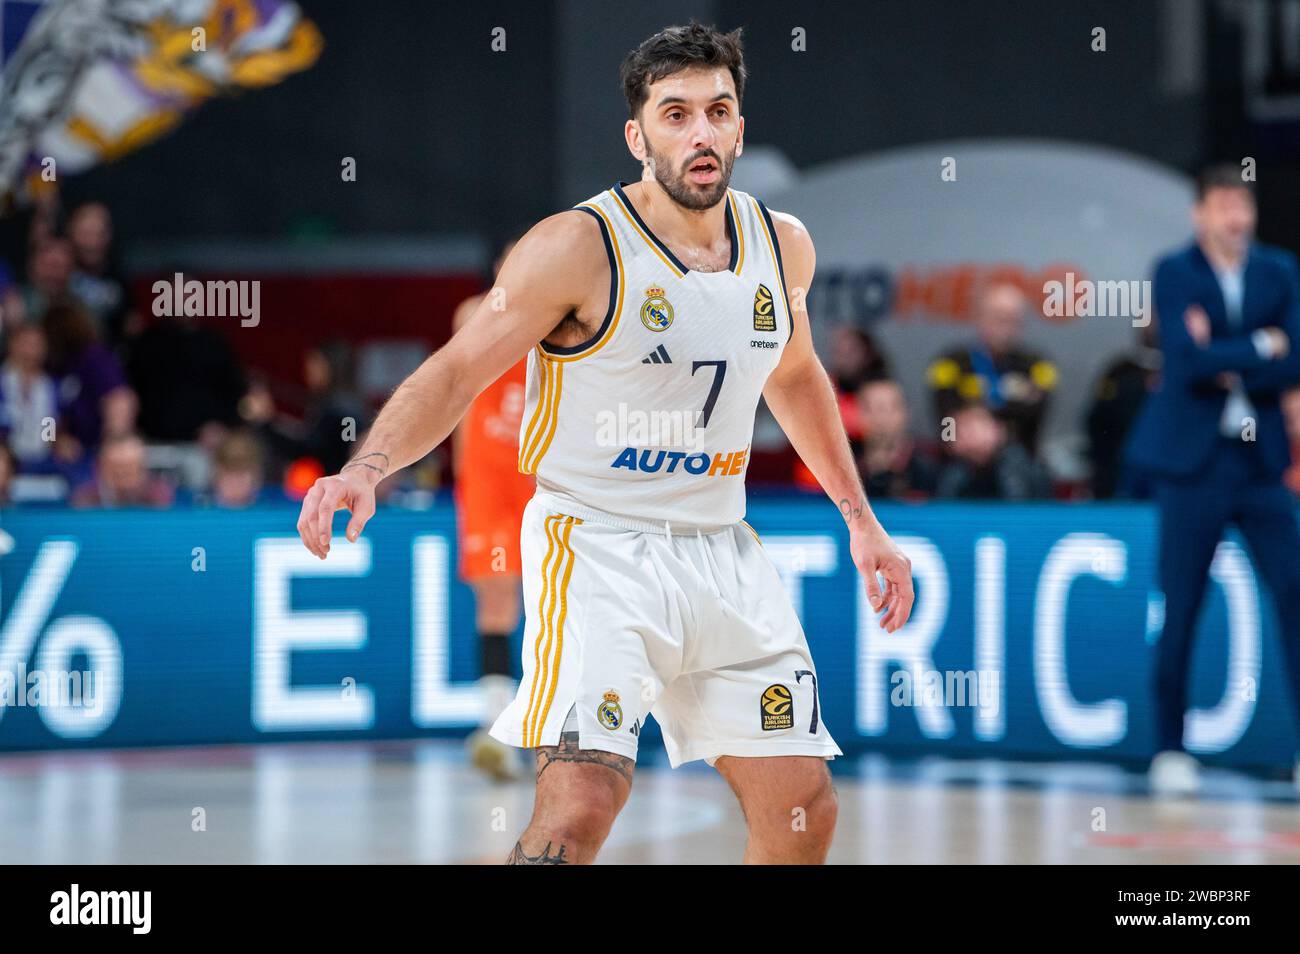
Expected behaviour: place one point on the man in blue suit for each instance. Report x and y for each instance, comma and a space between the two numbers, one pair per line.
1211, 439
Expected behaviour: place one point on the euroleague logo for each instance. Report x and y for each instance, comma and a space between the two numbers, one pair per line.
776, 709
764, 313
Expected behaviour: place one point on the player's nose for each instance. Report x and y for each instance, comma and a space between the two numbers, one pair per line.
703, 135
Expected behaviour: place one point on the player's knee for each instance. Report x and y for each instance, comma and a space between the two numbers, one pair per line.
824, 809
814, 808
808, 809
585, 814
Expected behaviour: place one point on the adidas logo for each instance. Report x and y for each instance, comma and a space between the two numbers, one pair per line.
658, 356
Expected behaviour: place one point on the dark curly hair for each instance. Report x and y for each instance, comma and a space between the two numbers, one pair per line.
678, 48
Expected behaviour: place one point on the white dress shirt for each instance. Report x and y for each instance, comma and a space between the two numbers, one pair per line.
1238, 407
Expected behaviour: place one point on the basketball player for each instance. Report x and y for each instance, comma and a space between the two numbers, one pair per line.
491, 495
672, 299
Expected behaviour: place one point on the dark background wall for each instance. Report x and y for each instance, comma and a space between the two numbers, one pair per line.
450, 136
896, 73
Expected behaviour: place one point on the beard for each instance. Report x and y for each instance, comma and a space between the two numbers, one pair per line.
687, 194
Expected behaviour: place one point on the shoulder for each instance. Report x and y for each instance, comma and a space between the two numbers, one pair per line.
792, 233
1275, 258
1177, 261
946, 369
557, 251
573, 232
797, 250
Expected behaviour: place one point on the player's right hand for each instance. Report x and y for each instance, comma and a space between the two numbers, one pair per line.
353, 490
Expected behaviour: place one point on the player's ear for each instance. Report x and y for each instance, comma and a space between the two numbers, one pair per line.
635, 140
740, 136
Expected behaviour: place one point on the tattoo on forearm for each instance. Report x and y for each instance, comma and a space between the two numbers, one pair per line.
356, 463
851, 512
359, 461
518, 857
568, 751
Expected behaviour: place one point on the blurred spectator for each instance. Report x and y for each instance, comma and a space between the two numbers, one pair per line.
187, 376
122, 478
49, 272
1121, 391
854, 360
238, 472
24, 226
29, 403
998, 371
890, 462
96, 400
13, 310
96, 279
324, 433
7, 470
985, 464
1291, 417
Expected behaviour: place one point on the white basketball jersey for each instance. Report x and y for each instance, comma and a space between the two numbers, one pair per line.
651, 419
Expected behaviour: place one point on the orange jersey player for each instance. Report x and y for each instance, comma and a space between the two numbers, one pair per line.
490, 491
491, 495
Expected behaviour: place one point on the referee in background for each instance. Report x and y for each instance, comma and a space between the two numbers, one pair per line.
1212, 440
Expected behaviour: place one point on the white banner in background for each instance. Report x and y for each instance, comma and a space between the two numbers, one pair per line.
900, 250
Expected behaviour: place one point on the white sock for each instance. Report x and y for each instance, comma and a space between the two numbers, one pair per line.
498, 693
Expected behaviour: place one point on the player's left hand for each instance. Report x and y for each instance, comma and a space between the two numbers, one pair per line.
873, 552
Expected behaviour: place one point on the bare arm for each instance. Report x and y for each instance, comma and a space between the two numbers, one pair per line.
548, 275
801, 398
464, 312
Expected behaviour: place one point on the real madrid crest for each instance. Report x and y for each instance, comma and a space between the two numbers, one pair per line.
610, 713
656, 312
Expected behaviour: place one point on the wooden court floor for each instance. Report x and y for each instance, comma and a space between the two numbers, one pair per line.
418, 802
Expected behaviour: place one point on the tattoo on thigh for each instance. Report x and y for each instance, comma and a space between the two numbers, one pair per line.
568, 751
518, 857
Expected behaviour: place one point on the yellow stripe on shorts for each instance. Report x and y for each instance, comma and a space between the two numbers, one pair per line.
541, 627
552, 610
567, 559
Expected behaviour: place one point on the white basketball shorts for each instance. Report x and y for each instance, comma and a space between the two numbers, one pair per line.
694, 628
